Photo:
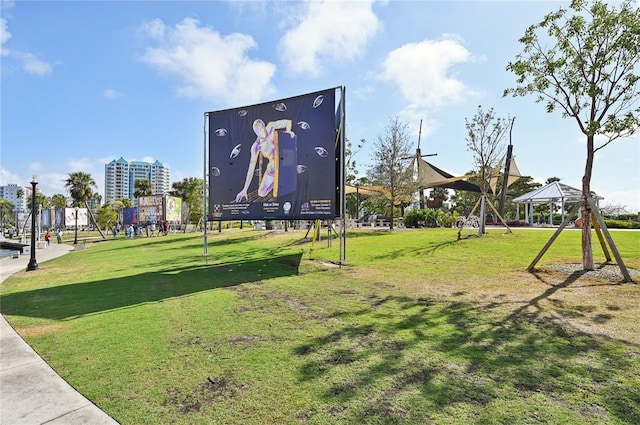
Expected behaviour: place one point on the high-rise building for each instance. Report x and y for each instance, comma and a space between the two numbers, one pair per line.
120, 176
10, 193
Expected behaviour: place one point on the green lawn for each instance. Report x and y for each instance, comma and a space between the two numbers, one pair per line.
418, 327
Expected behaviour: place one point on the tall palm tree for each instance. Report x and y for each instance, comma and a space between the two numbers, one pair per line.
19, 195
80, 186
142, 187
59, 201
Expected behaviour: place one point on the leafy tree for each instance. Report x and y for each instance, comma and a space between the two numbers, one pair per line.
20, 193
7, 213
190, 190
79, 185
351, 176
124, 203
107, 216
142, 188
523, 185
463, 201
584, 64
41, 202
486, 140
58, 201
97, 199
351, 173
390, 169
613, 210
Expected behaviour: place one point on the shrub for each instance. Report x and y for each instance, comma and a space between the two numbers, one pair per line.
428, 218
517, 223
413, 217
620, 224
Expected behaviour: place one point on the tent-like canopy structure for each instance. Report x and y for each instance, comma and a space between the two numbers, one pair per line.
514, 173
431, 176
552, 193
365, 190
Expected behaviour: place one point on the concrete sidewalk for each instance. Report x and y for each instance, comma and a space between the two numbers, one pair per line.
32, 393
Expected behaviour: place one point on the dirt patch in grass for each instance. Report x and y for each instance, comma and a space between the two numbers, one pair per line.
213, 388
607, 272
35, 331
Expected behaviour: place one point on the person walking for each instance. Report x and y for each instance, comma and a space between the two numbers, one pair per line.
59, 236
47, 238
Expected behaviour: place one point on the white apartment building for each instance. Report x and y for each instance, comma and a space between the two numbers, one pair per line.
10, 193
120, 176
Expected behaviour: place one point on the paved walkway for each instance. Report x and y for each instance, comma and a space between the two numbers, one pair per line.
31, 393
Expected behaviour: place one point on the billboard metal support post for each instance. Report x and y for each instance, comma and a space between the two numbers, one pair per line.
75, 238
204, 190
343, 198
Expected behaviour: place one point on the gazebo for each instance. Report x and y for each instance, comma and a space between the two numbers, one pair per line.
551, 193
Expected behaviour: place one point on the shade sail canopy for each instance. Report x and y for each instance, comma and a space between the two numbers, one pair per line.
431, 176
365, 190
553, 192
514, 174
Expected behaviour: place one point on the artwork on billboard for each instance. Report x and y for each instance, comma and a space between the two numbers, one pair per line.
150, 209
173, 213
60, 218
70, 217
130, 216
22, 219
45, 218
274, 160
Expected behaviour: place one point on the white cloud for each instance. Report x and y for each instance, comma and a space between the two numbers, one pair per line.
364, 92
422, 71
207, 64
111, 94
328, 31
5, 35
414, 115
7, 177
629, 198
53, 183
31, 64
80, 164
34, 166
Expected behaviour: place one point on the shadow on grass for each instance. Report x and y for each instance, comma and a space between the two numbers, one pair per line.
407, 359
78, 299
428, 248
198, 240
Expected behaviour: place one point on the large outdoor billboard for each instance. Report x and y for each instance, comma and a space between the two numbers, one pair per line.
130, 216
150, 209
45, 218
173, 209
70, 217
274, 160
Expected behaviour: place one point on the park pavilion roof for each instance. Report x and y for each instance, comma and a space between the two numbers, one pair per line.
553, 192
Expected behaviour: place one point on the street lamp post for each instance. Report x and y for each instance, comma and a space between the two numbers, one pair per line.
75, 239
33, 264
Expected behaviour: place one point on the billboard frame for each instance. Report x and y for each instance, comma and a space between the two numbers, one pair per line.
338, 201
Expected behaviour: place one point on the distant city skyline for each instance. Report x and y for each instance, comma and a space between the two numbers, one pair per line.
120, 176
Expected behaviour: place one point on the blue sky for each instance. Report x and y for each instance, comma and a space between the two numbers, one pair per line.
83, 83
